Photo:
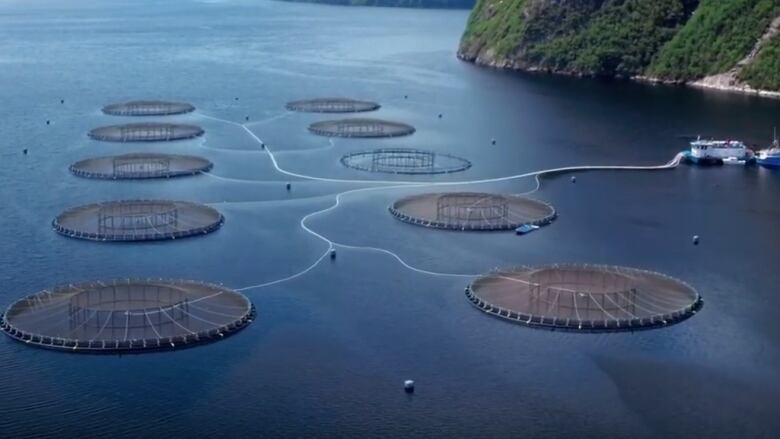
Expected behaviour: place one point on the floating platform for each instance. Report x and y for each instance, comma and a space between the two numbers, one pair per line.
596, 298
472, 211
127, 316
406, 161
146, 132
138, 220
332, 105
139, 166
361, 128
148, 108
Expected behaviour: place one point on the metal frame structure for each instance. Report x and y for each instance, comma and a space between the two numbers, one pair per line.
582, 297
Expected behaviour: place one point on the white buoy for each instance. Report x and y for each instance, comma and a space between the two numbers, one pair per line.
695, 239
409, 386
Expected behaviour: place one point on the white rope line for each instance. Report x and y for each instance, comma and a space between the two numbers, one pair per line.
152, 326
601, 307
232, 316
108, 317
175, 322
621, 308
408, 184
93, 314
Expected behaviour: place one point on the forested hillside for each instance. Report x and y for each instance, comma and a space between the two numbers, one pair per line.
666, 40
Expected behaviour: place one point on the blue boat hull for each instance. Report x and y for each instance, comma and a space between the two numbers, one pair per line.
769, 162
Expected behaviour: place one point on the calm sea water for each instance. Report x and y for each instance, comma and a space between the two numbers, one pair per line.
330, 350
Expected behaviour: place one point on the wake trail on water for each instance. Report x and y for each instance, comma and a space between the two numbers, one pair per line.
390, 185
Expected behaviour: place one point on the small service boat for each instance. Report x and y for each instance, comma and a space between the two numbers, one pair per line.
526, 228
718, 152
770, 158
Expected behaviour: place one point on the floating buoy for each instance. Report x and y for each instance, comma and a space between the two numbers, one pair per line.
262, 145
333, 253
236, 98
24, 151
48, 122
493, 141
695, 239
406, 96
246, 118
440, 115
573, 179
409, 386
62, 101
289, 186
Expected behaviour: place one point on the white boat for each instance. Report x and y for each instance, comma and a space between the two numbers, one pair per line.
719, 151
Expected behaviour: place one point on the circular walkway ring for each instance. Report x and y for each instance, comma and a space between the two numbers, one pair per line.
584, 298
148, 108
139, 166
361, 128
146, 132
127, 316
332, 105
407, 161
472, 211
138, 220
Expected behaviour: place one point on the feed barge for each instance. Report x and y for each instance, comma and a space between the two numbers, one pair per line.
718, 152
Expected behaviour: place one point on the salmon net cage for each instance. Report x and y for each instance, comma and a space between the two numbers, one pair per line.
581, 297
127, 315
332, 105
138, 220
406, 161
361, 128
148, 108
139, 166
146, 132
472, 211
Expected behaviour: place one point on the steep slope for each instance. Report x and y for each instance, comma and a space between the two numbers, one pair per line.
718, 43
438, 4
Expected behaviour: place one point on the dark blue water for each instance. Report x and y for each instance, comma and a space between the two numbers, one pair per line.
330, 349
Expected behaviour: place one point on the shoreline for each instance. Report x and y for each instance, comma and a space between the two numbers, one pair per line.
713, 83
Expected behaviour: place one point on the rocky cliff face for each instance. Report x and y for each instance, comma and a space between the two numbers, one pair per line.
666, 40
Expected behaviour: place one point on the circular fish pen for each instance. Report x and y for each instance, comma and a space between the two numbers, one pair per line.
146, 132
473, 211
584, 297
138, 220
361, 128
127, 316
148, 108
405, 161
138, 166
332, 105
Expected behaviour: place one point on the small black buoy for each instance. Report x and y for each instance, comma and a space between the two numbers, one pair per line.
24, 151
406, 96
493, 141
333, 253
440, 115
262, 145
409, 386
695, 239
246, 118
236, 98
48, 122
289, 186
62, 101
573, 179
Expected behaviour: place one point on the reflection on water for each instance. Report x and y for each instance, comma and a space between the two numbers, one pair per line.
330, 349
